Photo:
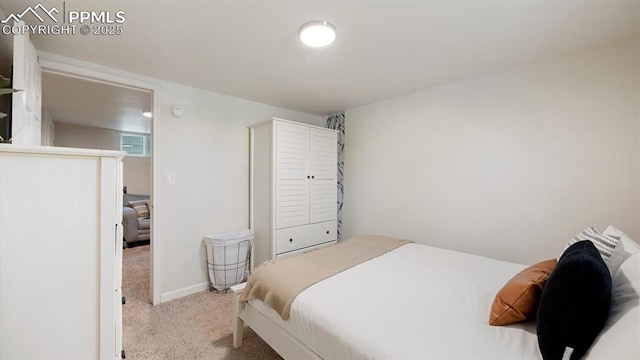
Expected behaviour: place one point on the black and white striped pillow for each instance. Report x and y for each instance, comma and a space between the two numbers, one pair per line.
604, 243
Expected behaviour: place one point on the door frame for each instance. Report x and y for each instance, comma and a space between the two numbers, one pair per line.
56, 64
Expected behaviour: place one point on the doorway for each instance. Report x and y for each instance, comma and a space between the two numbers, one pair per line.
55, 67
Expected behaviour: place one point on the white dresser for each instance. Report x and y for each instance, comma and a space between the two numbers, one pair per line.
293, 185
60, 253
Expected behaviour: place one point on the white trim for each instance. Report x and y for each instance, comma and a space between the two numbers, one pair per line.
251, 182
118, 260
54, 150
186, 291
274, 182
108, 232
156, 176
57, 64
291, 122
85, 70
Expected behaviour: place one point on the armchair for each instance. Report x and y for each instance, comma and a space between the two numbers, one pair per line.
135, 228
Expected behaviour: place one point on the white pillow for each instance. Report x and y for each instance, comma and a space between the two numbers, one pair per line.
629, 245
619, 338
606, 246
625, 289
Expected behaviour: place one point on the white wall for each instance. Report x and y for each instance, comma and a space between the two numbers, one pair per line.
509, 164
87, 137
208, 151
136, 170
137, 175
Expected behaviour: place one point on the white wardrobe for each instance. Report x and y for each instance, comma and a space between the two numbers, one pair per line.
60, 253
293, 193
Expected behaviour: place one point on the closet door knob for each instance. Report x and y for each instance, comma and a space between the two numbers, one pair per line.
308, 176
327, 231
313, 177
290, 240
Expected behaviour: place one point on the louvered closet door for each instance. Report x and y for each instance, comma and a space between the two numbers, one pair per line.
292, 151
324, 201
292, 169
292, 207
324, 157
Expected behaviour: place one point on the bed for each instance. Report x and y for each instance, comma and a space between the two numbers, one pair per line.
418, 302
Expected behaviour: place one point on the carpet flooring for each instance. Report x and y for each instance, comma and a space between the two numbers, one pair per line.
194, 327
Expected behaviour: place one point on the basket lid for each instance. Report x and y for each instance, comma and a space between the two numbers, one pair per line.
229, 237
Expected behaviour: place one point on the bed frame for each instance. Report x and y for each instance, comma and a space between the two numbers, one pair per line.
273, 334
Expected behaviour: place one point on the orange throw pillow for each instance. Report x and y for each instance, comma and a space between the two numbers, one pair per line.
518, 298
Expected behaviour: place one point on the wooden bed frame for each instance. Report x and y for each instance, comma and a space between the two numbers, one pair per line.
278, 338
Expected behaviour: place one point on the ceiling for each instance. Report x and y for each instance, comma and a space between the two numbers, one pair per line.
90, 103
384, 48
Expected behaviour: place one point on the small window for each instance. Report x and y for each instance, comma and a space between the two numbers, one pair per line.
135, 144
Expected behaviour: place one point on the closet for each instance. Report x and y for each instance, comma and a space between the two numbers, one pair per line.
293, 183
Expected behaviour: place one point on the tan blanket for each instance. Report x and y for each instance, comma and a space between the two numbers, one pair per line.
277, 283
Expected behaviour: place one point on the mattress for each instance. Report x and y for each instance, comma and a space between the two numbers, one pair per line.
415, 302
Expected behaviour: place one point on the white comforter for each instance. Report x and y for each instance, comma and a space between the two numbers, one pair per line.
428, 303
421, 302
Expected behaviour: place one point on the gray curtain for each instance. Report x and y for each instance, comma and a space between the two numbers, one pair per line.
336, 122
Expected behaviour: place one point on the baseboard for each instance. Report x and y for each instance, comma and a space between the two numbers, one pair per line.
172, 295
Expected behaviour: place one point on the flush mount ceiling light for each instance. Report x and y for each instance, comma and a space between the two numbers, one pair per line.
317, 33
147, 114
